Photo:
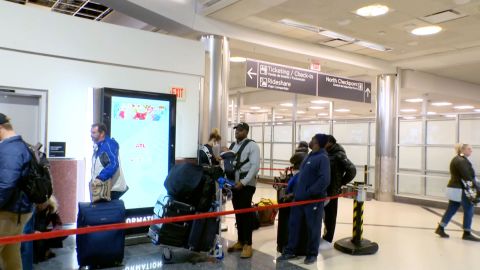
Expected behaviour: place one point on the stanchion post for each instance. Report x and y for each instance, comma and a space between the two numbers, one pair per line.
356, 245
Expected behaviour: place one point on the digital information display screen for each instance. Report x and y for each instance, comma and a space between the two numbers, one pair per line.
142, 128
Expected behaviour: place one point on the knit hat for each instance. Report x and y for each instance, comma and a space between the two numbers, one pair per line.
3, 119
322, 139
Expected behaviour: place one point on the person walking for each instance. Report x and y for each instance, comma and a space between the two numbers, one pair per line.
462, 177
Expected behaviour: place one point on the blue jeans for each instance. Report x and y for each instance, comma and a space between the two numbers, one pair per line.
26, 248
452, 208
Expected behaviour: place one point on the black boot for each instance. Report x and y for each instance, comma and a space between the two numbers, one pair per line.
441, 231
469, 236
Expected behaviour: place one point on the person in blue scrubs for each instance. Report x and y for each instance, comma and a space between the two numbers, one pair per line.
312, 183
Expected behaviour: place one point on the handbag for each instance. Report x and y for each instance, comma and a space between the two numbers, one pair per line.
100, 190
470, 190
454, 194
267, 216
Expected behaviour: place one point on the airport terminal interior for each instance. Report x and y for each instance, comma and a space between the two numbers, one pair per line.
395, 82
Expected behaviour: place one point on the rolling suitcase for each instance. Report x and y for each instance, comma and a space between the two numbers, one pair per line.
203, 234
282, 233
100, 249
176, 233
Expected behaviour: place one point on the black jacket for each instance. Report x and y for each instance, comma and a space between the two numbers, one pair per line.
341, 168
460, 168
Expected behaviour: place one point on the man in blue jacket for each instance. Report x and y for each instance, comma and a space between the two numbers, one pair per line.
105, 162
312, 183
15, 208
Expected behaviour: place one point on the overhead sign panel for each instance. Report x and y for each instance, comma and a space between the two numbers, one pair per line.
343, 88
271, 76
282, 78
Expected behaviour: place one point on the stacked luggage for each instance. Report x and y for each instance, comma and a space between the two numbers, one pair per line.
191, 189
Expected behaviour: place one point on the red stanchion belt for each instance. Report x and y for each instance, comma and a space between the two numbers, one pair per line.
120, 226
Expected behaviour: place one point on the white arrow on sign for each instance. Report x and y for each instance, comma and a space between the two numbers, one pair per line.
250, 73
367, 91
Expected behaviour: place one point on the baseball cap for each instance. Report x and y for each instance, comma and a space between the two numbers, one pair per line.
3, 119
242, 126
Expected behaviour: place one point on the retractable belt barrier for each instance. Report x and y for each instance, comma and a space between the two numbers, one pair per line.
121, 226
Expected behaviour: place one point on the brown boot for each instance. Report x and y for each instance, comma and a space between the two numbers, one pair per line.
247, 252
235, 247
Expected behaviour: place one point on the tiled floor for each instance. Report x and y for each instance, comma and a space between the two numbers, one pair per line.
404, 234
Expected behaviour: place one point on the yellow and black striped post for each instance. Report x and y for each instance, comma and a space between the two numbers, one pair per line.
357, 245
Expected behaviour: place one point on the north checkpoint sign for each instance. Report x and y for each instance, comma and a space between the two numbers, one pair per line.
271, 76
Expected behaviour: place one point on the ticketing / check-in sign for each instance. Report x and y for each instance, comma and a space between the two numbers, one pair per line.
282, 78
271, 76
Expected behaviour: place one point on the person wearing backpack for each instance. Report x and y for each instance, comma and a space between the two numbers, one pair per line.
247, 164
105, 161
208, 153
15, 207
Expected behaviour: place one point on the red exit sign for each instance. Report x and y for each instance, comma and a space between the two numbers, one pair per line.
180, 92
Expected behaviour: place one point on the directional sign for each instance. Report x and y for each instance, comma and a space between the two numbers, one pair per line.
343, 88
282, 78
270, 76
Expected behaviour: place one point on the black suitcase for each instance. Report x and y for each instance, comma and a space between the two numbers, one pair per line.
176, 233
203, 234
100, 249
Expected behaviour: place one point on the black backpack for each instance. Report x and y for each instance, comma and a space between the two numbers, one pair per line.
37, 184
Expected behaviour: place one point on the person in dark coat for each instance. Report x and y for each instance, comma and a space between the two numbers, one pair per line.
313, 180
460, 170
342, 171
209, 153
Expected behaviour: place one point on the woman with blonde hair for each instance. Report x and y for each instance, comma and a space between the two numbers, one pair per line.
460, 185
209, 153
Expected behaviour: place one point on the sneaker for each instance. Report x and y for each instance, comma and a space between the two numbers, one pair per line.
235, 247
310, 259
247, 251
286, 257
470, 237
441, 231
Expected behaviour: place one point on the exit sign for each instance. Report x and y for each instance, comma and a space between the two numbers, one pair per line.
180, 92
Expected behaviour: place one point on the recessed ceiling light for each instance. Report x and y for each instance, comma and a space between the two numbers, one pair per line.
442, 103
372, 10
263, 111
286, 104
279, 123
322, 114
283, 110
408, 110
463, 107
372, 46
431, 113
301, 112
477, 110
255, 108
426, 30
342, 110
319, 101
450, 115
414, 100
316, 107
409, 117
278, 117
237, 59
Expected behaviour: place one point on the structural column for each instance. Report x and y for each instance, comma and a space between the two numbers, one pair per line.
214, 97
385, 154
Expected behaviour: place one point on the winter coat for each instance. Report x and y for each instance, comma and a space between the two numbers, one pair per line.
314, 177
342, 170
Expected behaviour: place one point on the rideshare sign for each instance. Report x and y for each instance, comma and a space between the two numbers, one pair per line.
282, 78
271, 76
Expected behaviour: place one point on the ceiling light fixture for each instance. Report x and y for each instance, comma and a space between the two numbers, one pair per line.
286, 104
372, 10
319, 101
414, 100
300, 25
301, 112
409, 117
372, 46
342, 110
238, 59
476, 110
336, 35
450, 115
278, 117
442, 103
255, 108
322, 114
426, 30
463, 107
431, 113
316, 107
408, 110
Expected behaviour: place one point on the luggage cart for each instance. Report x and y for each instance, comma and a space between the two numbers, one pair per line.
222, 185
